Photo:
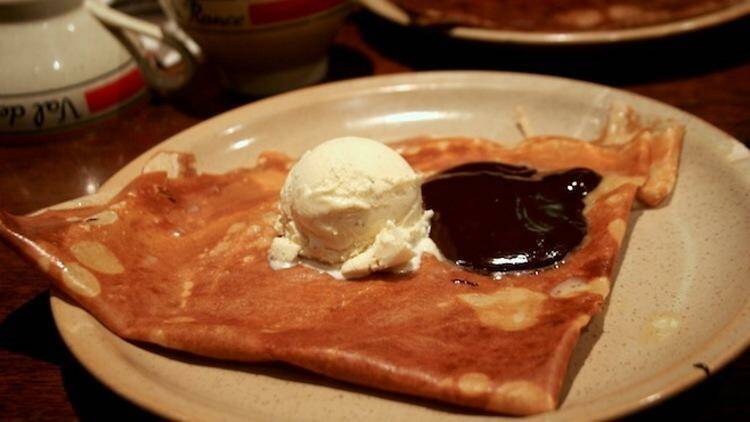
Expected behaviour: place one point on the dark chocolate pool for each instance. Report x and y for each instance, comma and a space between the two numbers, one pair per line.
496, 217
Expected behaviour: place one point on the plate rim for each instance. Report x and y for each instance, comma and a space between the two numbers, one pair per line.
422, 80
390, 12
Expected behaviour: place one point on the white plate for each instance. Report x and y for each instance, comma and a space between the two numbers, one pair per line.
393, 13
681, 295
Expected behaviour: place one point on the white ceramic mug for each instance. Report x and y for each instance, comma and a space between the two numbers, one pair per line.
63, 64
262, 47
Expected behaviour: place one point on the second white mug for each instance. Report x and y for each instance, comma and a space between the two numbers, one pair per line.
263, 47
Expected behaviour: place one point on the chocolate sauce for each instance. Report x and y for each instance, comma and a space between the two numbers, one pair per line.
492, 217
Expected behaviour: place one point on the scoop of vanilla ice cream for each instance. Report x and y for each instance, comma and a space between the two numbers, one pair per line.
354, 203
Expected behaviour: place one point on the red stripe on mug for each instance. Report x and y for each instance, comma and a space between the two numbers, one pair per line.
283, 10
114, 92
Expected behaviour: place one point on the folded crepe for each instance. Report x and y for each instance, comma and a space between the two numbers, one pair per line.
179, 259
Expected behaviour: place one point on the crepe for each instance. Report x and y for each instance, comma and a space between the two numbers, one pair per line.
179, 259
557, 15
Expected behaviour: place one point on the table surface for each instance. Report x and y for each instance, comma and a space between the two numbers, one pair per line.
706, 74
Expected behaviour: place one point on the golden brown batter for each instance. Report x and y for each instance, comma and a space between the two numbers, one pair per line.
182, 263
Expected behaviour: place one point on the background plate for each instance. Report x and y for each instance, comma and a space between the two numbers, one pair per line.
680, 298
393, 13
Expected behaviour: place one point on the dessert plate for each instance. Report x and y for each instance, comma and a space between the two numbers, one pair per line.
391, 12
679, 302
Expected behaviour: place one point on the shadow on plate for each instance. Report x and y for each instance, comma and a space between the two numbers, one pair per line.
286, 372
594, 330
612, 64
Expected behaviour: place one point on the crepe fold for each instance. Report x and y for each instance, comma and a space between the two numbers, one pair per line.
179, 259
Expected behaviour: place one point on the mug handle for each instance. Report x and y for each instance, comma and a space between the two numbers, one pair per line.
158, 78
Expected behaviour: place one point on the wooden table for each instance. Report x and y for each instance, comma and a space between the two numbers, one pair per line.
706, 74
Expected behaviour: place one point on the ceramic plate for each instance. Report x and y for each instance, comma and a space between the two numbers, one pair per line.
393, 13
680, 298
